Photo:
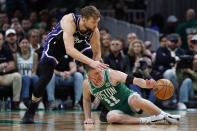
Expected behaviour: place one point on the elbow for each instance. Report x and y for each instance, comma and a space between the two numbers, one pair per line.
69, 50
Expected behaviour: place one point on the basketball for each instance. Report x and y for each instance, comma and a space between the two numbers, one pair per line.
163, 89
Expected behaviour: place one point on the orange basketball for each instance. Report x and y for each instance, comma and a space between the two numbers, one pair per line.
163, 89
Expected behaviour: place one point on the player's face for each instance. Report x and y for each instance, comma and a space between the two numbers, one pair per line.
95, 75
91, 23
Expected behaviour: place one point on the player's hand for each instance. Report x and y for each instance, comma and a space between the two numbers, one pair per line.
98, 65
89, 121
150, 83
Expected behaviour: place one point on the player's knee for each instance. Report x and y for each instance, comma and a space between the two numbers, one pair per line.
114, 116
135, 100
17, 76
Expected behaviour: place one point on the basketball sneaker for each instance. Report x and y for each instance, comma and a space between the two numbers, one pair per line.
28, 118
172, 119
155, 119
29, 114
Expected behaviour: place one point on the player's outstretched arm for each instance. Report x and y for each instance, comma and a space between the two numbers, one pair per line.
87, 103
118, 76
68, 27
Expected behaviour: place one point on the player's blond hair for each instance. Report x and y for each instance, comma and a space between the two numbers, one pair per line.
90, 11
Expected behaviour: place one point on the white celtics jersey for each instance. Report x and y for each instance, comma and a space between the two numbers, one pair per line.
25, 65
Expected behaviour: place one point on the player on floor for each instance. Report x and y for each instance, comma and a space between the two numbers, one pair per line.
108, 86
69, 38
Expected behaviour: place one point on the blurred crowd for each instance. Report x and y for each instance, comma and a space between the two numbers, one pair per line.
23, 30
174, 59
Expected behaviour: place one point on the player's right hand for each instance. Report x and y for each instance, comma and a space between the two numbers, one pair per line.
150, 83
89, 121
98, 65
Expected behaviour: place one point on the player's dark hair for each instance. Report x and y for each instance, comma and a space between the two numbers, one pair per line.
90, 11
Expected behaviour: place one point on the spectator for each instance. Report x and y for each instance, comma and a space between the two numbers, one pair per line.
163, 59
11, 40
171, 24
175, 73
130, 38
135, 52
105, 44
34, 39
34, 19
66, 75
26, 61
194, 72
5, 27
194, 44
116, 59
26, 25
19, 30
187, 27
143, 69
103, 32
3, 18
148, 50
8, 74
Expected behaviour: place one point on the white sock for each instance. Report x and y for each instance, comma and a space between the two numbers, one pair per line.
163, 113
35, 99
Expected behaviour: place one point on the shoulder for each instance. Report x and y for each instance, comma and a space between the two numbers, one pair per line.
67, 21
113, 75
6, 50
86, 84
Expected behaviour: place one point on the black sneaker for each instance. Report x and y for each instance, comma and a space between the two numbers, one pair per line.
103, 117
103, 114
28, 118
29, 114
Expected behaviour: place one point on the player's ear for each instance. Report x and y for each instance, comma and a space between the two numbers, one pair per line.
83, 19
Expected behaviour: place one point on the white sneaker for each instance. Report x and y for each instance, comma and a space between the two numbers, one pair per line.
182, 106
22, 106
172, 119
155, 119
41, 105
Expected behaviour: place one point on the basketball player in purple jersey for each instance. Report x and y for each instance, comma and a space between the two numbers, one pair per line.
71, 37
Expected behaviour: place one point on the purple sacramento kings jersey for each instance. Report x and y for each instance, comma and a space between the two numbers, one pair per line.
54, 47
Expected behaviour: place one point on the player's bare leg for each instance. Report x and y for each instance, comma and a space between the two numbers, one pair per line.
137, 102
116, 116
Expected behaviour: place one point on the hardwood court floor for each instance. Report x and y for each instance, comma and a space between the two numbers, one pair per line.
73, 120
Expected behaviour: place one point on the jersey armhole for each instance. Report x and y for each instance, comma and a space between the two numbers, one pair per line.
74, 18
109, 78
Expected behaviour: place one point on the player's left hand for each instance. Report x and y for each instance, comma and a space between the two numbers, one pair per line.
150, 83
98, 65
